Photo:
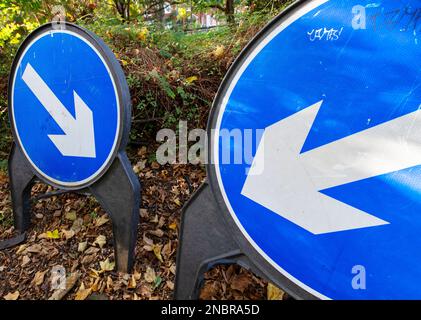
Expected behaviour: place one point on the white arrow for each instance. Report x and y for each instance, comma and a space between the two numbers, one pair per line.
79, 136
288, 183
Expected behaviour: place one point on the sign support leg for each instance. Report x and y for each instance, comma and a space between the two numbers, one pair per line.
21, 182
205, 241
118, 192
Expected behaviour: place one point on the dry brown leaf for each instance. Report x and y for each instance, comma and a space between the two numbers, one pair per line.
91, 250
100, 241
158, 233
36, 248
39, 278
170, 285
274, 293
25, 260
12, 296
101, 220
82, 246
68, 234
240, 282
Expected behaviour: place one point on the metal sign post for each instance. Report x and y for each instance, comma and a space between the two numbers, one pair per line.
328, 205
70, 113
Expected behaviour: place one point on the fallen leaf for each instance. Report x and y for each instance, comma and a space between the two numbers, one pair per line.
82, 246
68, 234
100, 241
106, 265
12, 296
53, 234
157, 282
177, 202
150, 275
173, 226
36, 248
101, 220
132, 283
157, 252
39, 278
170, 285
137, 275
219, 51
274, 293
88, 259
91, 250
240, 282
70, 283
25, 261
192, 79
158, 233
21, 249
71, 215
82, 293
77, 225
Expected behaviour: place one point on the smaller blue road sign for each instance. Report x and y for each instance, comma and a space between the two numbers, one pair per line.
65, 105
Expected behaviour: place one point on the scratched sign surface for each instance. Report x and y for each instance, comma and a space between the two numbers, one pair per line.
332, 198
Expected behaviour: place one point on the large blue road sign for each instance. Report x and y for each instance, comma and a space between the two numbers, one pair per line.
65, 105
331, 200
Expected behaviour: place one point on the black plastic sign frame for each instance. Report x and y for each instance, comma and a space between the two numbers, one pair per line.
209, 236
116, 187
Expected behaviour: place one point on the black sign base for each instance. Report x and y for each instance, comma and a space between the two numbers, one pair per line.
205, 241
118, 192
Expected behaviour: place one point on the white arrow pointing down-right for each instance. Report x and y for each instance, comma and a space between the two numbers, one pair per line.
78, 139
288, 183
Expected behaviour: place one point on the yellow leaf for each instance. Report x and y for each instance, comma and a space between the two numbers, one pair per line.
219, 51
274, 293
157, 251
182, 13
12, 296
143, 34
132, 283
21, 249
107, 265
173, 226
82, 293
100, 241
53, 235
192, 79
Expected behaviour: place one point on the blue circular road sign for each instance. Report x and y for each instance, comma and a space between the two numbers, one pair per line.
69, 105
316, 151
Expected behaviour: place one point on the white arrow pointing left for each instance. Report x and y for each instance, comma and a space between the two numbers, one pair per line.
79, 135
289, 182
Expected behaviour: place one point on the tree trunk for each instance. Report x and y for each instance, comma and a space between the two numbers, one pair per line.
229, 11
123, 8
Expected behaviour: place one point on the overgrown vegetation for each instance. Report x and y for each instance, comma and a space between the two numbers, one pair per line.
173, 72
